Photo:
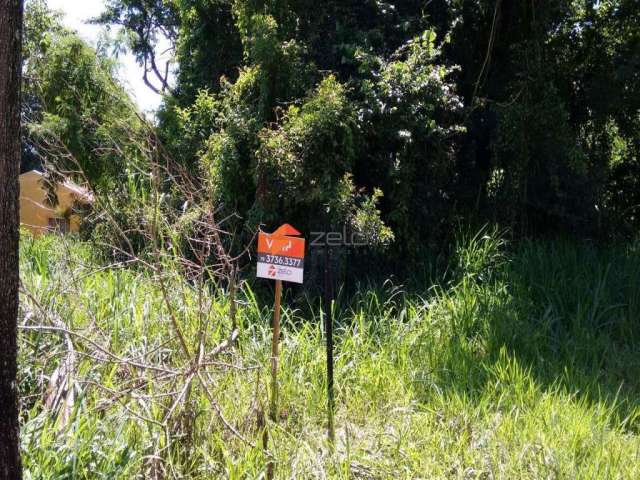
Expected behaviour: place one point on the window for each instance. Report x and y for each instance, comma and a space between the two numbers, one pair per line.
59, 225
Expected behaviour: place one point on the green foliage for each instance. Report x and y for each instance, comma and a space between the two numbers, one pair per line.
208, 47
479, 256
186, 130
77, 117
228, 157
473, 112
305, 165
411, 118
548, 85
40, 24
546, 175
310, 152
360, 214
281, 73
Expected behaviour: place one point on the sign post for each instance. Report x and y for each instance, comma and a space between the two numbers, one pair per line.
273, 410
280, 258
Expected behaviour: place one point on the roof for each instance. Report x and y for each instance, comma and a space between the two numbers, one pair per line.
82, 192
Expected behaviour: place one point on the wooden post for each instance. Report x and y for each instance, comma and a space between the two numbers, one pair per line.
273, 410
273, 413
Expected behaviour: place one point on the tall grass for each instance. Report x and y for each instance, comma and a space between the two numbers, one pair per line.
523, 363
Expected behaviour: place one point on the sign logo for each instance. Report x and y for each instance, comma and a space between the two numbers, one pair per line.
281, 255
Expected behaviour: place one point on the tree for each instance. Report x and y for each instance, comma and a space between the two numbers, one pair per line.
143, 23
519, 113
73, 108
10, 76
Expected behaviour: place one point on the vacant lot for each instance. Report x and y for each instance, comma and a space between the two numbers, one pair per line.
518, 363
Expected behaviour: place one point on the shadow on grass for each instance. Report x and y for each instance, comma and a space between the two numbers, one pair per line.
568, 314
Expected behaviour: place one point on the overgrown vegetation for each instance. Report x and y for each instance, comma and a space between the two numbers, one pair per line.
523, 114
521, 362
416, 116
461, 352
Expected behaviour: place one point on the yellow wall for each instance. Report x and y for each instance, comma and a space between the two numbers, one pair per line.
35, 211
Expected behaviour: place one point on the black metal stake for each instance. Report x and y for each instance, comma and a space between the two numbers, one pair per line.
328, 324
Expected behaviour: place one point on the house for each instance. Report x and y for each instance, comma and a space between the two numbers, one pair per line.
39, 216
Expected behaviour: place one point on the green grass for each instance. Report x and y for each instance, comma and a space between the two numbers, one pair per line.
520, 363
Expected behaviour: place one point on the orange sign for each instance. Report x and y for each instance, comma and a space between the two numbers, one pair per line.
281, 255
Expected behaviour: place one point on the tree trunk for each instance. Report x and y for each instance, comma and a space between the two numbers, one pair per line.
10, 76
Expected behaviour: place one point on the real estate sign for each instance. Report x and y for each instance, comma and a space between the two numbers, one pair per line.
281, 255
